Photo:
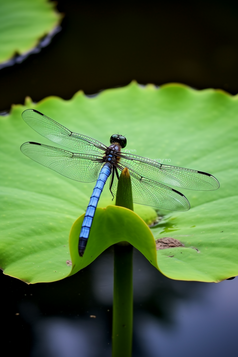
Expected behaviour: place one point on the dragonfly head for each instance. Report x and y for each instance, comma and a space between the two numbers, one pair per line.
120, 139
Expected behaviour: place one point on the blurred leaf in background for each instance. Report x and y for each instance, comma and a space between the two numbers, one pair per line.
23, 23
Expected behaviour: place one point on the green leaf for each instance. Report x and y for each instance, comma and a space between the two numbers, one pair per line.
110, 226
209, 235
23, 23
176, 124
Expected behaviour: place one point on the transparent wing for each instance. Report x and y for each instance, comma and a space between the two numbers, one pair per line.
151, 193
78, 167
174, 176
57, 133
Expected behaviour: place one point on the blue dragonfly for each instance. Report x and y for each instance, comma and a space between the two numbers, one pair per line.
90, 160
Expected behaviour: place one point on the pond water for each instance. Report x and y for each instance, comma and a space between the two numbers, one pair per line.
72, 317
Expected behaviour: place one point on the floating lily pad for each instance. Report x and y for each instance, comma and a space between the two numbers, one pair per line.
175, 125
23, 23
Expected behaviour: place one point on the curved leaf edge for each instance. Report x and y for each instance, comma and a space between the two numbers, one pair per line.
133, 84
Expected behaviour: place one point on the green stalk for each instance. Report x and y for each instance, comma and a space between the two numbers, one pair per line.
122, 301
123, 280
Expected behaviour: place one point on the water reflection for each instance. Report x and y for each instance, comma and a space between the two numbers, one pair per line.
171, 318
62, 337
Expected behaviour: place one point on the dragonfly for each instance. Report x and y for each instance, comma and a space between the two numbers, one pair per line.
89, 160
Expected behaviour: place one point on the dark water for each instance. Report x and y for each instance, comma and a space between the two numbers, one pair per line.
171, 318
103, 46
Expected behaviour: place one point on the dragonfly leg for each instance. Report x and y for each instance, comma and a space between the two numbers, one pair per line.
111, 183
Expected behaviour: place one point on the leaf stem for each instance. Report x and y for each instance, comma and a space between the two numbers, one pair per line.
123, 280
122, 301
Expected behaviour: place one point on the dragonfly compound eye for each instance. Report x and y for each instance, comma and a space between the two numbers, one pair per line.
116, 138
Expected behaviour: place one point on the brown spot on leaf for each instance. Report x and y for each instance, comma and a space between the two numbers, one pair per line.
168, 242
68, 262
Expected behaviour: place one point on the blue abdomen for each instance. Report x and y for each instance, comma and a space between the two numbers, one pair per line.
89, 215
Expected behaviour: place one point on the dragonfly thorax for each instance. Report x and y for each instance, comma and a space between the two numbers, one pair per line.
111, 154
120, 139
